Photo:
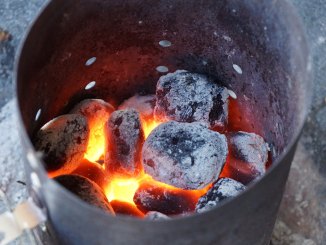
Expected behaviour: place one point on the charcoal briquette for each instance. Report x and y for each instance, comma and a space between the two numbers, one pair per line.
93, 109
125, 138
94, 172
248, 156
143, 104
184, 155
154, 215
63, 142
125, 208
86, 190
190, 97
166, 200
224, 188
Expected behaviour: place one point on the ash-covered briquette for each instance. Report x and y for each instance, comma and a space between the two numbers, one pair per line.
184, 155
248, 156
189, 97
94, 172
153, 215
249, 147
143, 104
86, 190
63, 142
154, 197
93, 109
125, 208
125, 138
224, 188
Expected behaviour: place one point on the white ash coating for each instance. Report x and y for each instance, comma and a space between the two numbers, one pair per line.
185, 155
86, 190
154, 215
189, 97
93, 109
144, 104
224, 188
63, 142
250, 148
125, 138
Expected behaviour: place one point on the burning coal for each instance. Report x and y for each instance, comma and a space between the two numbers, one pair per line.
125, 138
63, 142
184, 155
157, 156
96, 111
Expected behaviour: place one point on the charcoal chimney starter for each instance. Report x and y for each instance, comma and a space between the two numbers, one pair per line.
112, 50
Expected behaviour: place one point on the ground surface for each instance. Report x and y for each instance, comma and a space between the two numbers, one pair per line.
302, 217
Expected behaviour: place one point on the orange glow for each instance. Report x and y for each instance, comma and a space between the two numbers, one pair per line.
123, 188
149, 126
96, 142
195, 193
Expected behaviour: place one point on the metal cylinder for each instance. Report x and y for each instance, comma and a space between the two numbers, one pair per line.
255, 47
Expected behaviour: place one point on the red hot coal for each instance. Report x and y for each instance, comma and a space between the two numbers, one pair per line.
175, 152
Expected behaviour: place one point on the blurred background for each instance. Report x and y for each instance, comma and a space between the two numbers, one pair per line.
302, 216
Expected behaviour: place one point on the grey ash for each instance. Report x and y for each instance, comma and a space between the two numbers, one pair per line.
185, 155
224, 188
125, 138
63, 142
190, 97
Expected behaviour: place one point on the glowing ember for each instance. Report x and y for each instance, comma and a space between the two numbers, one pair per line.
154, 196
122, 189
173, 171
149, 126
135, 191
96, 142
97, 113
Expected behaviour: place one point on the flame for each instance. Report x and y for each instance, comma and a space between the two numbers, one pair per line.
123, 188
149, 126
195, 193
96, 142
